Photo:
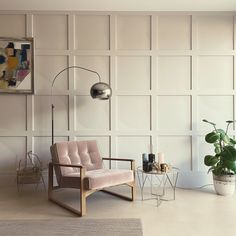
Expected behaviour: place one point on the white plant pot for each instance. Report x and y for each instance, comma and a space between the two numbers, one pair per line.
224, 184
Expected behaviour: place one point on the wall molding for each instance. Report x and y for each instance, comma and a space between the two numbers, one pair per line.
134, 117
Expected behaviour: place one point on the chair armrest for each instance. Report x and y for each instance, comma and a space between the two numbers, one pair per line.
117, 159
81, 168
67, 165
132, 161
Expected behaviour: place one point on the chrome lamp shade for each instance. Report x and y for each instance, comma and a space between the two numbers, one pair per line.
101, 91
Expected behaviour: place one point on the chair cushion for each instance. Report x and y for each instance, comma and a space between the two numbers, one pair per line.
102, 178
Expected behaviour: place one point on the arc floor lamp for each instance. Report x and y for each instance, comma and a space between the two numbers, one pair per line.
99, 90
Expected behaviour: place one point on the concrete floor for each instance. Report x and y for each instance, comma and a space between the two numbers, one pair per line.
194, 212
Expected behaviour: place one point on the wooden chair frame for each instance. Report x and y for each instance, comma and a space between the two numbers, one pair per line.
84, 193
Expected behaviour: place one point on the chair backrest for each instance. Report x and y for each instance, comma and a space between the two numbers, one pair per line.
83, 153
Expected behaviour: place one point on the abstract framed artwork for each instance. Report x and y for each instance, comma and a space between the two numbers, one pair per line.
17, 65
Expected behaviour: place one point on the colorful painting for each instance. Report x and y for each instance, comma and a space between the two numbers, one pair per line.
16, 65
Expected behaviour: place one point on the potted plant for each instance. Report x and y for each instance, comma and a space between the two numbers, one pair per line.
223, 162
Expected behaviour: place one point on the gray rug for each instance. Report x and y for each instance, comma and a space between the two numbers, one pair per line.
72, 227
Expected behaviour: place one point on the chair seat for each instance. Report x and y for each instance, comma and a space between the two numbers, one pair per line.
103, 178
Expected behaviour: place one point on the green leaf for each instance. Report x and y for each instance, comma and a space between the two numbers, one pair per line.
212, 137
210, 160
229, 153
234, 168
230, 165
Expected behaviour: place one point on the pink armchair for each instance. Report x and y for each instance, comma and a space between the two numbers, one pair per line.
78, 164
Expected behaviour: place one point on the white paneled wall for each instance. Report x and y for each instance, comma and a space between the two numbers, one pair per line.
168, 71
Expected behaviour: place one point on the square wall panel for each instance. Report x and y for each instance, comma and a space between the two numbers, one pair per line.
46, 68
133, 73
85, 79
177, 151
174, 72
133, 32
174, 113
133, 113
50, 31
103, 143
41, 146
216, 109
13, 25
173, 32
13, 113
92, 32
132, 147
13, 149
215, 32
42, 113
91, 114
215, 72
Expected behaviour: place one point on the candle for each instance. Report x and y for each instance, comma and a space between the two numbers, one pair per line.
151, 148
145, 157
161, 157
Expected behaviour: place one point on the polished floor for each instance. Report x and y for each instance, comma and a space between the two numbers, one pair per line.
194, 212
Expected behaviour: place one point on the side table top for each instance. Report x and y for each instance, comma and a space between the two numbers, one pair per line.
155, 172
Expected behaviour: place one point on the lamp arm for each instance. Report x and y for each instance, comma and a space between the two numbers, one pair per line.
79, 67
52, 106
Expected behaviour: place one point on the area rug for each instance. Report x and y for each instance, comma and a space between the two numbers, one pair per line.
72, 227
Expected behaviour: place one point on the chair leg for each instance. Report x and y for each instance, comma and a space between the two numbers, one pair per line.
133, 185
82, 203
82, 194
50, 180
133, 193
82, 211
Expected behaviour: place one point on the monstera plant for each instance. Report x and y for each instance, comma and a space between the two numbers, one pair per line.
224, 159
223, 162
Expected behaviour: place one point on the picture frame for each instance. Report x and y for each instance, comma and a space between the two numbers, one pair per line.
16, 65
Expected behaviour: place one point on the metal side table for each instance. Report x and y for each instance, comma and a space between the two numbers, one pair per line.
163, 179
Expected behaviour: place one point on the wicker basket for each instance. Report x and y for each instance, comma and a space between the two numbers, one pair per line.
31, 172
